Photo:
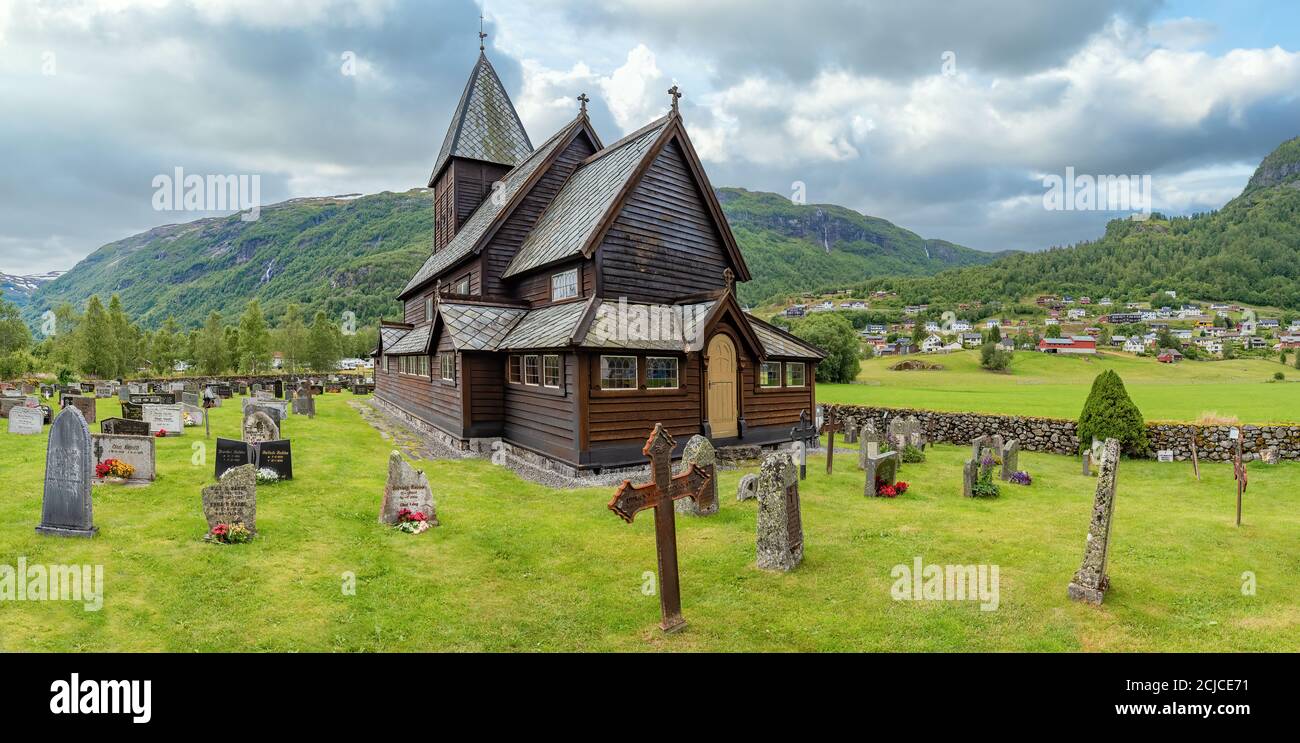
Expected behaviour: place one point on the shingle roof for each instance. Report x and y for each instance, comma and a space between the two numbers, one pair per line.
390, 336
779, 344
568, 223
546, 327
486, 214
479, 327
485, 125
646, 327
416, 341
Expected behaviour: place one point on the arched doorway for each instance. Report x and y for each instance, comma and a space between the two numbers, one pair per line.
722, 387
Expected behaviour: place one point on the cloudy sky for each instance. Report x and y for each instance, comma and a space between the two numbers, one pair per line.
940, 115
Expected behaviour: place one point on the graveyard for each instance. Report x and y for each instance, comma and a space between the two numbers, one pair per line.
1055, 386
517, 566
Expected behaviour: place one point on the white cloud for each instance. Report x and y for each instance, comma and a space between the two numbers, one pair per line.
631, 91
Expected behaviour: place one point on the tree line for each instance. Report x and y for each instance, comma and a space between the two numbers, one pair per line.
102, 341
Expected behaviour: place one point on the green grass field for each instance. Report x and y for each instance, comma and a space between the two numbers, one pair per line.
519, 567
1056, 386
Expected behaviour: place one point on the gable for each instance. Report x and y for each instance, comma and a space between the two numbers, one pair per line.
664, 243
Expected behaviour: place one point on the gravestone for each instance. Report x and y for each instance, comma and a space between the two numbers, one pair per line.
84, 404
977, 447
276, 456
137, 451
66, 509
132, 411
779, 540
869, 444
164, 418
9, 403
103, 391
303, 403
124, 393
153, 398
192, 415
699, 452
233, 500
278, 388
880, 470
1087, 464
747, 489
25, 421
191, 398
850, 431
123, 427
259, 427
969, 475
232, 454
1010, 459
1165, 455
1091, 582
407, 488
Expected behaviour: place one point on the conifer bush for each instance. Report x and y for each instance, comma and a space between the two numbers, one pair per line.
1109, 413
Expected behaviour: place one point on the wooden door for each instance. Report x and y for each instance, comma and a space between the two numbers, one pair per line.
722, 387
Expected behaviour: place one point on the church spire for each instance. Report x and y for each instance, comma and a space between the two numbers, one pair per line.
484, 126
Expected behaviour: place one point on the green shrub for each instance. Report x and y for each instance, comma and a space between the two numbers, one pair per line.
911, 455
993, 358
1109, 413
1279, 376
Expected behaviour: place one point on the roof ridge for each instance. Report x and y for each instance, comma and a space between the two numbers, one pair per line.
626, 140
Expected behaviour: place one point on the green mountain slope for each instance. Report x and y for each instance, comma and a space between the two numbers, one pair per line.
333, 254
341, 254
792, 248
1248, 251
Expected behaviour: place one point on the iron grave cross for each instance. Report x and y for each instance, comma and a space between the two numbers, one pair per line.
806, 434
659, 494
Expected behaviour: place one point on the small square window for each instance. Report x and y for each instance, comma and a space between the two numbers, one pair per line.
516, 369
661, 372
618, 372
794, 375
769, 375
532, 371
564, 285
551, 371
462, 286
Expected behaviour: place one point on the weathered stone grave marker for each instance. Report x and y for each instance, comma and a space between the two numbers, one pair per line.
233, 500
779, 538
406, 488
1091, 581
699, 453
66, 509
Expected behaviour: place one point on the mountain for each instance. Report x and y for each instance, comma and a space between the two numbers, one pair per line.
793, 248
1248, 251
19, 289
347, 253
336, 254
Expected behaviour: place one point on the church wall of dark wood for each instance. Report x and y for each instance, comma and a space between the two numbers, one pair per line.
663, 244
543, 420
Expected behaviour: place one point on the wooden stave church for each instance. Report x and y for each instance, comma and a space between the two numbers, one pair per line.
508, 330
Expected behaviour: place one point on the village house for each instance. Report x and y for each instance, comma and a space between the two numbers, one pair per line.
1077, 344
579, 293
1135, 344
971, 340
1170, 356
932, 344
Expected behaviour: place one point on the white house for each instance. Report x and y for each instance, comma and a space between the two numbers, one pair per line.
960, 326
932, 344
1134, 345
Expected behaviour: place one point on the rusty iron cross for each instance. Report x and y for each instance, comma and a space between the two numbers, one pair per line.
659, 494
806, 434
829, 426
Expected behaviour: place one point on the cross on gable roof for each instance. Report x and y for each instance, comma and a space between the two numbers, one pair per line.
485, 126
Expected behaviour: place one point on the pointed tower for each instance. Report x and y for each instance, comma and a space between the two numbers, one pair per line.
485, 140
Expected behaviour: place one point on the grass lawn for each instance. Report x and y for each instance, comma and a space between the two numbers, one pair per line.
1056, 386
519, 567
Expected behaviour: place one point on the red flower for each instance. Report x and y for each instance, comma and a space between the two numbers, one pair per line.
901, 487
161, 433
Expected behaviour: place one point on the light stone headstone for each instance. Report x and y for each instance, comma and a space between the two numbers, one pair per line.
164, 418
1092, 581
969, 474
699, 451
869, 444
1087, 463
137, 451
779, 540
66, 509
406, 488
1010, 459
880, 470
25, 421
196, 414
747, 488
233, 500
258, 428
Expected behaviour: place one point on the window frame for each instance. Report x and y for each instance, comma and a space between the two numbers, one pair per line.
465, 281
515, 369
677, 373
577, 288
537, 369
443, 359
428, 309
803, 373
636, 373
559, 371
780, 376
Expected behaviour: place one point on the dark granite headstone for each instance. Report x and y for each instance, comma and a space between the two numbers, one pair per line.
132, 411
69, 466
276, 456
84, 404
124, 427
232, 454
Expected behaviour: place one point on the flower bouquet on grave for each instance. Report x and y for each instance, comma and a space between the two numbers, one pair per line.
114, 471
162, 434
892, 491
235, 533
1020, 478
411, 522
188, 421
267, 476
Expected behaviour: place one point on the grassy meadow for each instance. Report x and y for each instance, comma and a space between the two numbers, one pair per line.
519, 567
1056, 386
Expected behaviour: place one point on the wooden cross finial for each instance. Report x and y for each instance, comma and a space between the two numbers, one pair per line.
676, 93
584, 100
729, 279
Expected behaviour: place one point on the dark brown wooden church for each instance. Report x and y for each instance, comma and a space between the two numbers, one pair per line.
578, 293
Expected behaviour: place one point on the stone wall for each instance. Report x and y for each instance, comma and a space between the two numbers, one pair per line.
1058, 436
